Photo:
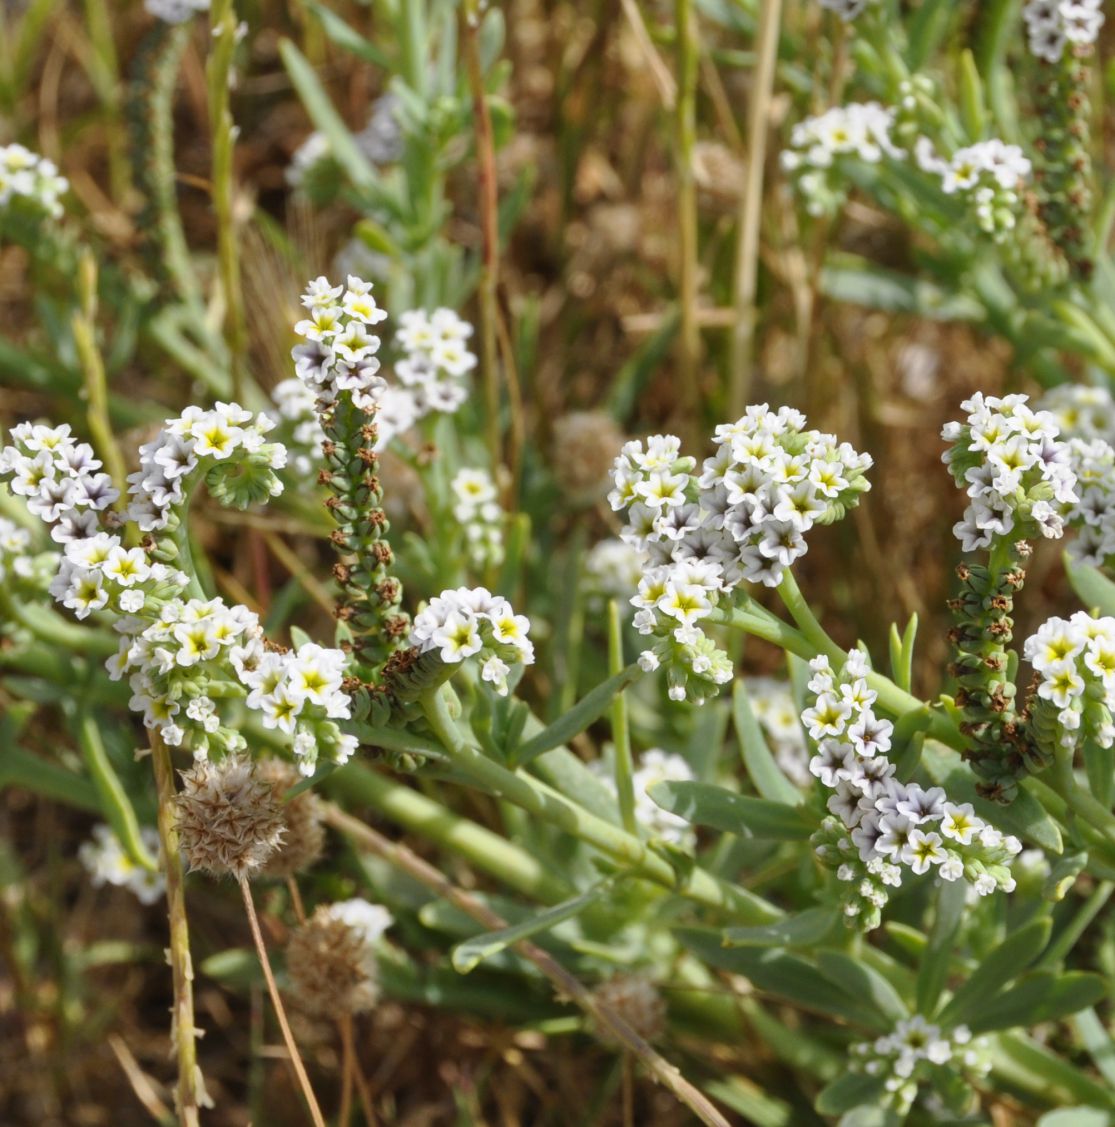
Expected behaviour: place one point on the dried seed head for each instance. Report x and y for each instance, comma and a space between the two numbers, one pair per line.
229, 821
636, 999
331, 959
304, 837
585, 446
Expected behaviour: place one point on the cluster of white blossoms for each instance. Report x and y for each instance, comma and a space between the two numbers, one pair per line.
369, 921
227, 445
612, 570
472, 622
1053, 25
860, 130
175, 11
298, 426
653, 766
106, 862
431, 372
476, 509
339, 353
743, 518
199, 656
22, 570
1081, 411
1093, 516
59, 478
847, 10
26, 177
1017, 473
1074, 659
380, 141
774, 708
990, 175
915, 1051
879, 826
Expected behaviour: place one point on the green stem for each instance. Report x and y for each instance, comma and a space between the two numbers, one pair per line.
1075, 928
621, 737
621, 846
52, 628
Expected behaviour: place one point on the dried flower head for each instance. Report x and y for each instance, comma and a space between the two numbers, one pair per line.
636, 999
229, 819
304, 836
585, 446
331, 962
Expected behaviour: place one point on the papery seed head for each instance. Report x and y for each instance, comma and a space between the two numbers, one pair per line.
229, 820
304, 838
331, 966
636, 999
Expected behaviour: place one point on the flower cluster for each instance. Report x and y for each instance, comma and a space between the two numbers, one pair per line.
774, 708
435, 360
339, 353
1053, 25
1081, 411
107, 863
298, 426
226, 444
917, 1051
21, 570
847, 10
989, 175
613, 569
1074, 659
818, 144
28, 178
199, 654
880, 826
175, 11
654, 766
59, 478
476, 509
475, 623
1016, 472
380, 141
742, 519
1093, 516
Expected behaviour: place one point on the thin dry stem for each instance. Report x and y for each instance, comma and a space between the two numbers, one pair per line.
280, 1010
751, 207
188, 1093
566, 984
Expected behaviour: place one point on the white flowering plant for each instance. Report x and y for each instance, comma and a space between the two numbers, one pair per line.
337, 584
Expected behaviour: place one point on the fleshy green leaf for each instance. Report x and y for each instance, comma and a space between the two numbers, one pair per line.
470, 954
706, 804
934, 968
763, 771
864, 982
1001, 966
1093, 588
849, 1091
806, 929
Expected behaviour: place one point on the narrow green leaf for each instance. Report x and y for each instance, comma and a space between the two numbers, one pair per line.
1071, 993
347, 37
470, 954
1016, 1006
928, 27
586, 711
1004, 964
1077, 1117
326, 119
973, 106
892, 292
20, 768
806, 929
1098, 1042
706, 804
762, 769
864, 982
934, 968
1093, 588
852, 1090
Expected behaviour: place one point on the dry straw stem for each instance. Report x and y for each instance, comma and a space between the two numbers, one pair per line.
751, 207
189, 1094
277, 1002
565, 983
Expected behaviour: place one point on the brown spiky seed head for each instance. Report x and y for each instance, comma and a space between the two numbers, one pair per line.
304, 836
229, 821
636, 999
585, 445
331, 966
